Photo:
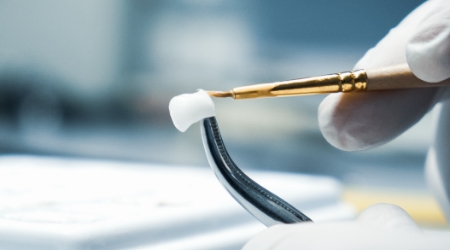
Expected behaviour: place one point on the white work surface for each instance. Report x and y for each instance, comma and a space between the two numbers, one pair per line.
65, 203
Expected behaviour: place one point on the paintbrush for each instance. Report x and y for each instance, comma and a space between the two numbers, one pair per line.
394, 77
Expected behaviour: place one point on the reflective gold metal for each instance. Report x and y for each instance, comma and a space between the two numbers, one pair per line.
341, 82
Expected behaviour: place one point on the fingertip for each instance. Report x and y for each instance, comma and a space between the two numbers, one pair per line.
333, 120
428, 49
389, 216
361, 121
326, 115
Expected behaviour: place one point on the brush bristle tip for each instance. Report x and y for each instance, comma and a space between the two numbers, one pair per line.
220, 94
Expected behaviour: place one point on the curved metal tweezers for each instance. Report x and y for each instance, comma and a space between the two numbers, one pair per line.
258, 201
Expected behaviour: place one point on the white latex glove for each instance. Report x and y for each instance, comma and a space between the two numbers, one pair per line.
381, 226
365, 120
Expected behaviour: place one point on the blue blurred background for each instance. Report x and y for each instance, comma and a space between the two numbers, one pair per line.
94, 79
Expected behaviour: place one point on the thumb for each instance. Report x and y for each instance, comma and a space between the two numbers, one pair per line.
428, 49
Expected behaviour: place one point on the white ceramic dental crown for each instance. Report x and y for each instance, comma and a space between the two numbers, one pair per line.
187, 109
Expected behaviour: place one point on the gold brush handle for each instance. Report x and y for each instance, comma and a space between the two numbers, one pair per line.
393, 77
340, 82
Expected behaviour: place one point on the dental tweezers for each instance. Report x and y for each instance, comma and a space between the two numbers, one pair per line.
258, 201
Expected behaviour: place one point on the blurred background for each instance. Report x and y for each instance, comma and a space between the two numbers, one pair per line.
94, 79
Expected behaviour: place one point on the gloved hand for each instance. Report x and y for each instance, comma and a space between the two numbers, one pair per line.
381, 226
366, 120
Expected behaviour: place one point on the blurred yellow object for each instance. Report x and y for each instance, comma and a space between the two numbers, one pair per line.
421, 205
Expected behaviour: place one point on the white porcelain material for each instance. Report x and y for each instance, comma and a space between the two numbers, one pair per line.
187, 109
